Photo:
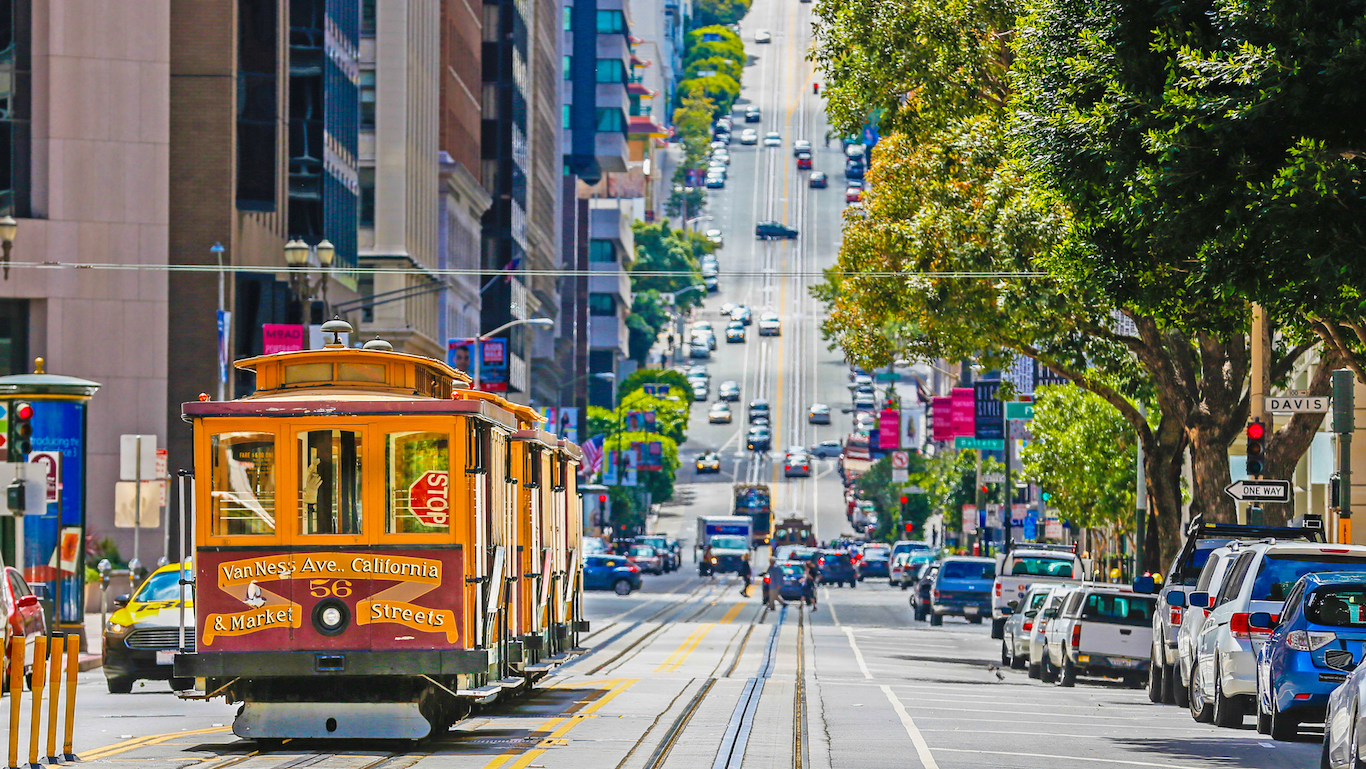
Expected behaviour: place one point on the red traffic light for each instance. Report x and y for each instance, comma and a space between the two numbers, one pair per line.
984, 488
910, 527
23, 411
1256, 430
602, 499
905, 499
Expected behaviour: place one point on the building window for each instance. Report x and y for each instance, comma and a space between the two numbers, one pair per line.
601, 251
611, 71
256, 104
565, 110
602, 305
611, 23
568, 18
367, 98
367, 197
365, 288
367, 16
611, 120
568, 66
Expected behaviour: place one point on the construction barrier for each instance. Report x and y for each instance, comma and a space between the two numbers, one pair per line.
46, 673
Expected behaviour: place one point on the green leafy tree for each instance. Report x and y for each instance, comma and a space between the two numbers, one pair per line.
648, 318
876, 486
671, 413
710, 12
660, 484
661, 249
731, 68
678, 384
1083, 452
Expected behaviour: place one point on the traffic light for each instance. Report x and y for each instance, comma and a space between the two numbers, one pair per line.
910, 527
20, 430
1256, 448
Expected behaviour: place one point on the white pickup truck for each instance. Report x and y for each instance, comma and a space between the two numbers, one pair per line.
1027, 565
1103, 630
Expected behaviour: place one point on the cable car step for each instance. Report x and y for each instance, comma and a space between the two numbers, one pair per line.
331, 720
510, 683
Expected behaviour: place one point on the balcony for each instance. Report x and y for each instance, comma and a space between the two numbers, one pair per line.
611, 150
610, 219
607, 332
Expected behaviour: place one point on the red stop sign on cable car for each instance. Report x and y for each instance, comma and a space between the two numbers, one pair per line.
428, 498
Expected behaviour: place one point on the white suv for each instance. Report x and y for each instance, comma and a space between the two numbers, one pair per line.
1223, 679
1103, 630
1194, 608
1048, 612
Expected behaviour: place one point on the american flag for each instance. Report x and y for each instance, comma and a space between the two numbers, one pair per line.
592, 454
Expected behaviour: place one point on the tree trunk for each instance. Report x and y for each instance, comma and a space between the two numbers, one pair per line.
1162, 467
1210, 476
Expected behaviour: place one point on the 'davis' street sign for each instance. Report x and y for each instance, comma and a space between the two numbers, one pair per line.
1259, 491
1298, 404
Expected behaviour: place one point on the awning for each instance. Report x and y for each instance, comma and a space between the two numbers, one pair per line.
644, 125
639, 89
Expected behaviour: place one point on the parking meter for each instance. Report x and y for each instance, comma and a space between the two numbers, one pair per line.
105, 569
136, 572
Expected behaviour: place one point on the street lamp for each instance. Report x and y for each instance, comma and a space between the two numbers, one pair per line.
217, 250
297, 255
696, 219
479, 342
9, 228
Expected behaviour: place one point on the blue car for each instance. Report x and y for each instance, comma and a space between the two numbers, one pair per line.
1314, 644
962, 588
610, 572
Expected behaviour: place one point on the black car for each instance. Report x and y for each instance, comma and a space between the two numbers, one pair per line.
770, 230
760, 439
791, 588
853, 169
875, 565
837, 568
818, 180
924, 583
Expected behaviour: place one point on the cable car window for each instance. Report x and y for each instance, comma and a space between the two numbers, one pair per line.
417, 483
533, 464
329, 482
242, 491
476, 445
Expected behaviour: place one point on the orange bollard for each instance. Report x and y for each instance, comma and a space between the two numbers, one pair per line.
54, 677
16, 691
36, 690
73, 666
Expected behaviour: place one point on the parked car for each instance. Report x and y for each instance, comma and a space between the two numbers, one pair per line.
1316, 641
910, 546
719, 413
715, 181
646, 559
1026, 565
818, 179
1102, 630
853, 169
759, 407
962, 588
1019, 623
1052, 608
23, 617
728, 391
1344, 729
610, 572
797, 465
143, 634
749, 135
897, 568
836, 568
771, 230
827, 449
699, 349
700, 392
707, 462
770, 324
668, 550
921, 603
853, 193
715, 236
1166, 682
1194, 607
818, 414
1223, 679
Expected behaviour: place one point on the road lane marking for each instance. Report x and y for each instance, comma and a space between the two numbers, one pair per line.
921, 747
681, 654
140, 742
858, 655
560, 725
1016, 754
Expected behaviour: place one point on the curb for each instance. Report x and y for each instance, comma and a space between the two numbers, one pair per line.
90, 662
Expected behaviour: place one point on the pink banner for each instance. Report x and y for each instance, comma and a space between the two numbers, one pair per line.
964, 416
889, 430
943, 418
281, 337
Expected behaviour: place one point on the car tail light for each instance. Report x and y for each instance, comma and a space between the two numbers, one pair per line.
1028, 626
633, 568
1175, 616
998, 589
934, 594
1308, 641
1076, 636
766, 579
1238, 627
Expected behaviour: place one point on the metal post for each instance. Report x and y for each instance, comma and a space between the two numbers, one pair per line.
54, 677
1344, 423
478, 354
1141, 506
137, 497
180, 642
73, 665
1008, 489
217, 250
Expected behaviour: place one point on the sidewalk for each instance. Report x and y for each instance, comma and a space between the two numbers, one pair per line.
93, 659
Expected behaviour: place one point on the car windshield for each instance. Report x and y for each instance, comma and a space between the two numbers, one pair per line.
1035, 599
1279, 573
967, 570
729, 543
610, 563
1116, 609
1040, 566
1189, 573
644, 550
162, 586
834, 559
791, 570
1342, 606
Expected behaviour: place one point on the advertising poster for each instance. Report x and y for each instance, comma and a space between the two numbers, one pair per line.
889, 430
988, 411
568, 424
653, 458
58, 426
943, 418
493, 371
281, 337
961, 418
969, 519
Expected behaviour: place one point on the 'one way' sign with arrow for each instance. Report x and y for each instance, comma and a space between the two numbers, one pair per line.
1259, 491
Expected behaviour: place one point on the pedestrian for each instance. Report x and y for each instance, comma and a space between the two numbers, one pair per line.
746, 574
813, 576
775, 585
827, 143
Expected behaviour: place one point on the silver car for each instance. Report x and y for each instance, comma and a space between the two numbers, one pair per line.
1020, 623
1051, 610
1344, 732
1194, 608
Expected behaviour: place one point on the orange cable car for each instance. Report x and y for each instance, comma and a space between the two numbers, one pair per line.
377, 546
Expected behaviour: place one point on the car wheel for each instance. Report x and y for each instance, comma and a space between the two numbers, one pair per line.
1169, 685
1154, 676
998, 628
1181, 693
1228, 712
905, 586
1283, 727
1047, 673
1068, 676
1006, 661
1035, 670
1199, 708
936, 620
853, 584
1018, 661
975, 620
1263, 717
621, 587
121, 685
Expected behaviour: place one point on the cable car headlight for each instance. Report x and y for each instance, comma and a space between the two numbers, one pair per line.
330, 616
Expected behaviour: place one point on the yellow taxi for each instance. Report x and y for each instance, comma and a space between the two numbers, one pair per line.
142, 636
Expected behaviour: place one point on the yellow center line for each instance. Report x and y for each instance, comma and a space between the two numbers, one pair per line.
559, 727
782, 282
139, 742
681, 654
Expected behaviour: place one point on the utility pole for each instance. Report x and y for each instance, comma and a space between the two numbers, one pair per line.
1259, 387
1344, 423
1141, 508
